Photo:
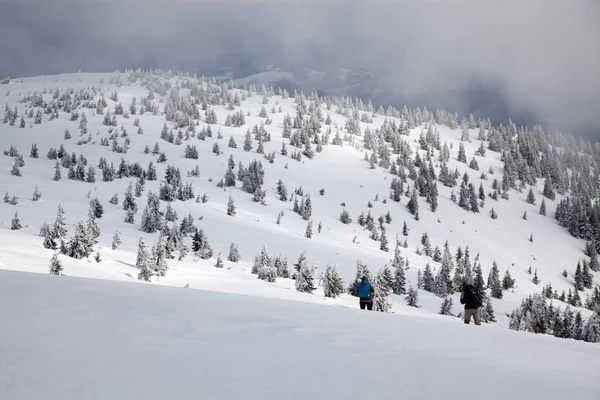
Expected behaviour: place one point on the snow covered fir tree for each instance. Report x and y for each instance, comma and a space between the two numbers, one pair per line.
170, 175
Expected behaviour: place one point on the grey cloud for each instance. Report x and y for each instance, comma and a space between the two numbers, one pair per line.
534, 60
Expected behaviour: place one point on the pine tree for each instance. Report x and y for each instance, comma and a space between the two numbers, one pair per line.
234, 253
57, 174
413, 204
80, 244
36, 194
144, 265
15, 224
543, 207
586, 276
548, 190
405, 229
305, 279
333, 285
531, 197
399, 284
494, 282
428, 280
487, 312
535, 279
309, 232
412, 299
446, 308
462, 156
231, 211
159, 257
56, 266
345, 217
142, 254
116, 240
383, 242
507, 281
219, 263
382, 291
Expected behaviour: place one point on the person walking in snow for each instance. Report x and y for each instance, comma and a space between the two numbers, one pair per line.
365, 292
471, 298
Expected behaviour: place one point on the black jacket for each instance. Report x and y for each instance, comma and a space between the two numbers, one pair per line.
471, 298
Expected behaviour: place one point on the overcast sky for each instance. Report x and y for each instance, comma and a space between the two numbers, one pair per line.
537, 56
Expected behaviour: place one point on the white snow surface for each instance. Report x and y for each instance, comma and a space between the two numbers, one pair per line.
341, 171
72, 338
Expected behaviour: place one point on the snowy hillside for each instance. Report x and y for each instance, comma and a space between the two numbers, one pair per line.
124, 341
340, 153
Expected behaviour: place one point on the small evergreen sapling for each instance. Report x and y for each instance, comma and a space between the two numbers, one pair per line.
412, 298
535, 279
56, 267
309, 231
116, 240
219, 263
15, 224
446, 308
231, 210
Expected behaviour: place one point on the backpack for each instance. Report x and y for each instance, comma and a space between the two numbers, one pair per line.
364, 290
475, 297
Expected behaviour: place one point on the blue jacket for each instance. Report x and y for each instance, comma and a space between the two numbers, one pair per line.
365, 291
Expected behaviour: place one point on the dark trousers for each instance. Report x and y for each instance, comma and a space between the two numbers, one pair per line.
367, 304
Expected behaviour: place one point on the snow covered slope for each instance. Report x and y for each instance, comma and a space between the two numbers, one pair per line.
72, 338
340, 170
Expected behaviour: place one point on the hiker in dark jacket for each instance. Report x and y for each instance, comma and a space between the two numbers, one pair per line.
471, 298
365, 293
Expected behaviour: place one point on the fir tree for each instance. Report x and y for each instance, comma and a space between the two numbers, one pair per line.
231, 211
531, 197
159, 257
145, 267
383, 242
462, 156
345, 217
543, 207
142, 254
234, 253
56, 266
382, 291
487, 312
309, 232
80, 244
548, 190
219, 263
446, 308
116, 240
405, 229
535, 279
305, 279
428, 280
333, 285
507, 281
36, 194
586, 276
399, 285
412, 299
57, 174
15, 224
494, 282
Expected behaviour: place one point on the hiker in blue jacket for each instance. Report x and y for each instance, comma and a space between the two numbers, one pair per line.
365, 292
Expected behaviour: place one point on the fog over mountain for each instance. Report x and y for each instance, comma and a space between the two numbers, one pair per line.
534, 61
